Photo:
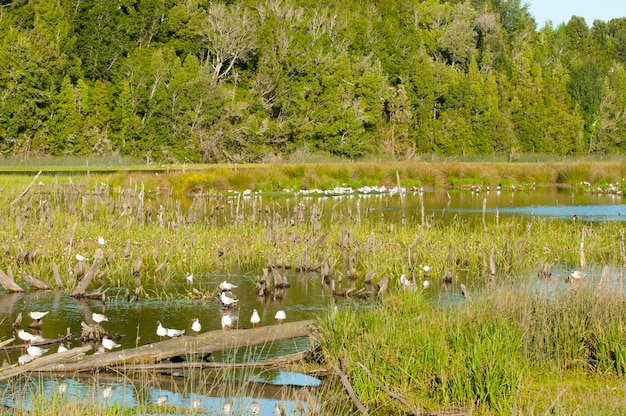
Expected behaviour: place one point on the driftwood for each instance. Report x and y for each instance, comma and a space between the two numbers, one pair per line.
36, 283
263, 285
26, 256
70, 356
25, 191
201, 344
57, 276
82, 286
280, 281
355, 399
383, 285
179, 367
18, 321
127, 250
92, 332
414, 411
7, 282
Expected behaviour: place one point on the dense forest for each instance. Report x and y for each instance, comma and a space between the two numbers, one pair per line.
264, 80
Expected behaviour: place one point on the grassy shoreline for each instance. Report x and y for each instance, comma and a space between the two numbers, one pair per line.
190, 179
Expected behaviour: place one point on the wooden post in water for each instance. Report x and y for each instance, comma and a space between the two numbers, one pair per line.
484, 212
583, 263
401, 196
81, 288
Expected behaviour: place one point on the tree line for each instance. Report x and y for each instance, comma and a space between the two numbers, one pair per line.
253, 80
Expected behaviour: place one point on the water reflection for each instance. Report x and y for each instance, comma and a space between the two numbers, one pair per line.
124, 394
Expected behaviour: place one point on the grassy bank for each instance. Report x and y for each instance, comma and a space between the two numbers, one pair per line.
325, 175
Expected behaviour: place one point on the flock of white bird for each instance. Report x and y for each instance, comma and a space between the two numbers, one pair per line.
226, 297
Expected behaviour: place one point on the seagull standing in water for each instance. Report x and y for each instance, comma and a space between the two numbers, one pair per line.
98, 318
189, 278
227, 286
27, 337
36, 316
255, 319
574, 276
101, 241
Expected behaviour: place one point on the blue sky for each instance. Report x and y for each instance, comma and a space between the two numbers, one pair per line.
560, 11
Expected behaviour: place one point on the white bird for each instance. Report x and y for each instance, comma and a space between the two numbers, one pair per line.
426, 269
80, 257
24, 359
195, 326
101, 240
36, 351
227, 407
195, 403
62, 387
404, 282
109, 344
107, 392
255, 319
575, 275
255, 408
28, 337
161, 331
98, 317
280, 316
36, 316
426, 283
226, 300
162, 399
227, 321
227, 285
173, 333
62, 348
189, 278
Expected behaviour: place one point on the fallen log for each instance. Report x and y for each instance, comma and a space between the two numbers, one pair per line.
7, 282
58, 358
414, 410
36, 283
355, 399
176, 367
197, 344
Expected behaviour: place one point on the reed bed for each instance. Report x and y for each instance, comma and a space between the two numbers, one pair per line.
171, 236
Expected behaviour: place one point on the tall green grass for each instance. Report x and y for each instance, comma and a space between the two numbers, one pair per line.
487, 353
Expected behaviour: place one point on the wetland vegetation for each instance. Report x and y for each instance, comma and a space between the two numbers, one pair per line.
513, 344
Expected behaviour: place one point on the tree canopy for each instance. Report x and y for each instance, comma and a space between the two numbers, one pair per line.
248, 80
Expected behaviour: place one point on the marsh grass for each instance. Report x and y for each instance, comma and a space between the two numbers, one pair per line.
488, 353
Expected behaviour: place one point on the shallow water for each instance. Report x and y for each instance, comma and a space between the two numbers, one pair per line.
135, 322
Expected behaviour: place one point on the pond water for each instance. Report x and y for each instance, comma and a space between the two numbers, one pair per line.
135, 322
